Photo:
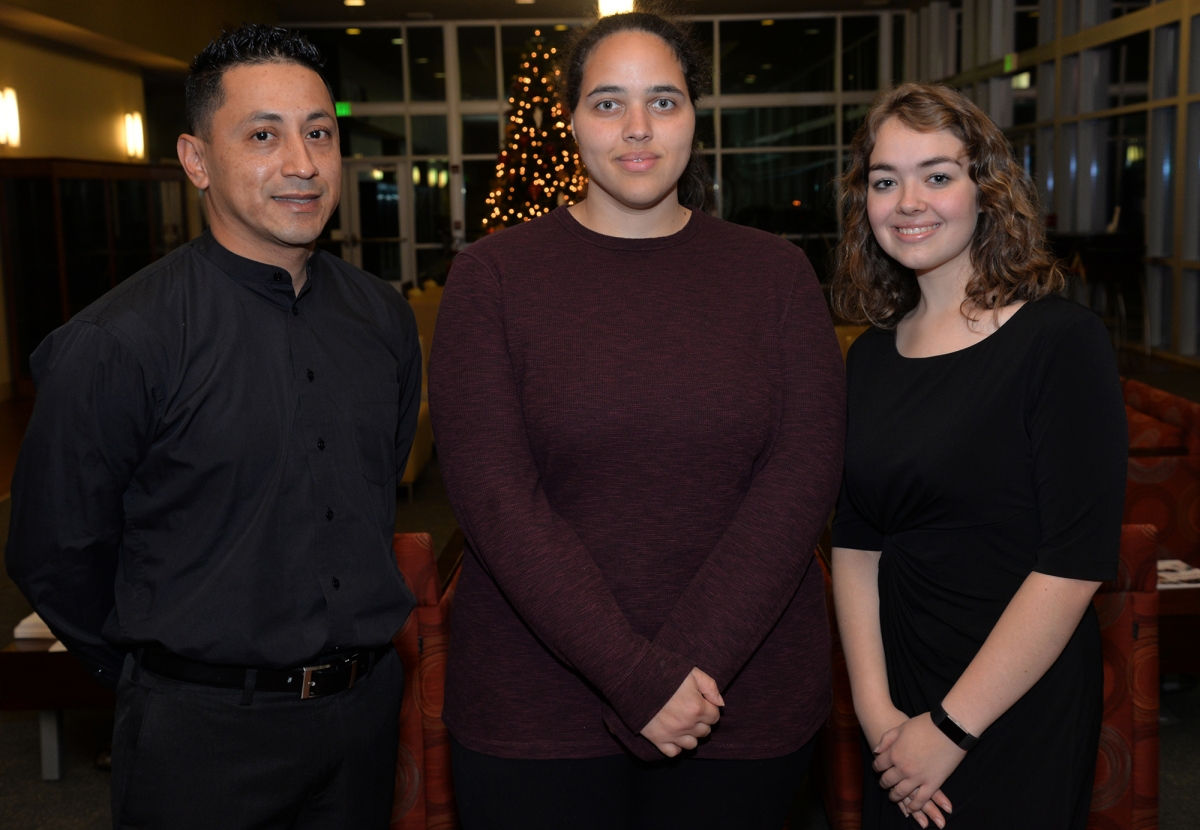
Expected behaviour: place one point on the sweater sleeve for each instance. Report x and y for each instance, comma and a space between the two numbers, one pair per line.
746, 583
495, 489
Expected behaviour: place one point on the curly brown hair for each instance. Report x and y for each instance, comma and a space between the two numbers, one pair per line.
1008, 250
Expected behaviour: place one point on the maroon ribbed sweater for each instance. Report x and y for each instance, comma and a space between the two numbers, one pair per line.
642, 440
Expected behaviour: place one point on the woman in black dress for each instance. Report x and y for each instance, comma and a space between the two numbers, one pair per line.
984, 481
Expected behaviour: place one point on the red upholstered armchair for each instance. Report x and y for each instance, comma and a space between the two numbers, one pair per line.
1163, 488
1125, 794
424, 789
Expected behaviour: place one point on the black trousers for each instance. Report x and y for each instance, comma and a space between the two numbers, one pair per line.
620, 792
188, 756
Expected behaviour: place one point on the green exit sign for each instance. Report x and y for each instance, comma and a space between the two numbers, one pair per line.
342, 108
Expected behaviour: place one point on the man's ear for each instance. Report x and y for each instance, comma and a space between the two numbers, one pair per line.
191, 156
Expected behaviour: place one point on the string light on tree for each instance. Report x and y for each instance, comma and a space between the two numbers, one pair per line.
538, 168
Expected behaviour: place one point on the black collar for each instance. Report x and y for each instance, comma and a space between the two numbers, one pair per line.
272, 282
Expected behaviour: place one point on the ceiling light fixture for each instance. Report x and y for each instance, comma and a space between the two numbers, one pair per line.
354, 2
608, 7
354, 31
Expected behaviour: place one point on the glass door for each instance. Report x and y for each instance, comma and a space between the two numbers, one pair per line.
372, 228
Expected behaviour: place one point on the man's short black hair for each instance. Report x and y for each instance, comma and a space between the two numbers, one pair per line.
252, 43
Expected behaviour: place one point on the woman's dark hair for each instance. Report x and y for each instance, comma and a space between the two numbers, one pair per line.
252, 43
695, 185
1008, 251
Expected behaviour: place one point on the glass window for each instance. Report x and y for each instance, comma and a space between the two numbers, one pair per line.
518, 41
898, 41
1190, 307
860, 52
1129, 67
367, 66
794, 55
433, 264
477, 185
1191, 193
1069, 103
431, 192
778, 126
480, 134
1160, 189
372, 136
1194, 60
429, 135
1166, 61
1043, 160
1026, 28
706, 130
1126, 179
33, 263
379, 222
1159, 295
853, 116
702, 33
477, 62
1045, 91
1024, 96
427, 63
780, 192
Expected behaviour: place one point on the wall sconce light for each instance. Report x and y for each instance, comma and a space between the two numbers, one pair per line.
135, 139
10, 118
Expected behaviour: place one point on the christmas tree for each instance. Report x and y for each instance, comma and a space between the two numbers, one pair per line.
538, 169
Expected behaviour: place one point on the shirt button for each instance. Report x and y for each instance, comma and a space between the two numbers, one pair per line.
310, 376
329, 515
278, 277
336, 584
320, 443
295, 311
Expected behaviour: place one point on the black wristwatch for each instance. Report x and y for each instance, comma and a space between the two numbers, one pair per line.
961, 737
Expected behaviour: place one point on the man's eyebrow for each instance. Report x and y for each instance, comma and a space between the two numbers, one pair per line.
605, 90
265, 116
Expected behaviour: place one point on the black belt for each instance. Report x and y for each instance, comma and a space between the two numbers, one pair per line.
326, 676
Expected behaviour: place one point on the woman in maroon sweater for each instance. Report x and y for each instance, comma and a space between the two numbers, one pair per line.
639, 412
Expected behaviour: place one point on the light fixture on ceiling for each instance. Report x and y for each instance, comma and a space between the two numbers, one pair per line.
135, 137
354, 31
525, 2
10, 118
354, 2
608, 7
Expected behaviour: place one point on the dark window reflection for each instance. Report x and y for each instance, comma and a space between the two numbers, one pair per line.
1129, 69
702, 34
518, 41
780, 192
85, 240
477, 62
131, 226
378, 204
778, 126
853, 116
777, 55
368, 66
477, 181
481, 134
433, 264
706, 131
32, 258
898, 41
1027, 28
429, 135
1127, 172
427, 62
431, 200
860, 52
372, 136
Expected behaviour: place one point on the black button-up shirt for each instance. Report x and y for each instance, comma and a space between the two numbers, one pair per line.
212, 462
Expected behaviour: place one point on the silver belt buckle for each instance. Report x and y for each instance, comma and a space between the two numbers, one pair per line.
306, 687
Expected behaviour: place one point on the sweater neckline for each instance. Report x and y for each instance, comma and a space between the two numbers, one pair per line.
620, 243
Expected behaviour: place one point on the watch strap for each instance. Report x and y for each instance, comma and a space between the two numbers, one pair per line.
951, 729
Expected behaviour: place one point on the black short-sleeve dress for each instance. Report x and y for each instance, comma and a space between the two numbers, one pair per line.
970, 470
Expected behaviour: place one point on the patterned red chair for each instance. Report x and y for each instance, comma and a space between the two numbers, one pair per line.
1125, 794
1163, 487
424, 789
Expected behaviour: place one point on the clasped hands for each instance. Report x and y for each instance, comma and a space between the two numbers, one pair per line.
915, 759
688, 716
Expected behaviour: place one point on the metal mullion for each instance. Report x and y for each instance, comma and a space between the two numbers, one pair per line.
454, 131
718, 173
1181, 166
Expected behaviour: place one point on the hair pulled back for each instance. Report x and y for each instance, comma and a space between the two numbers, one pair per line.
1008, 250
695, 185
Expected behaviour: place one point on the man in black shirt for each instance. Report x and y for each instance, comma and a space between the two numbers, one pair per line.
204, 503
